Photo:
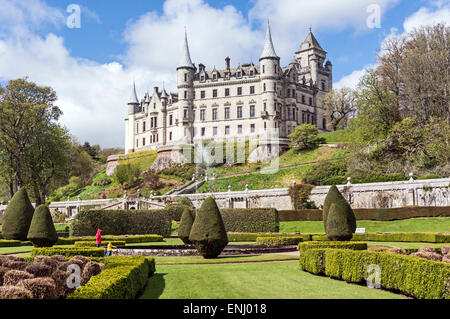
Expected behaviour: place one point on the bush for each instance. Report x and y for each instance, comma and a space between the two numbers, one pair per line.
10, 243
129, 239
14, 292
413, 276
41, 288
302, 247
90, 269
174, 211
279, 241
17, 216
342, 221
122, 222
243, 237
187, 219
252, 220
39, 270
208, 232
300, 196
324, 170
305, 136
42, 232
68, 252
185, 201
121, 278
104, 244
13, 277
127, 173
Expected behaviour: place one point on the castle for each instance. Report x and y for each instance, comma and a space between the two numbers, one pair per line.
241, 102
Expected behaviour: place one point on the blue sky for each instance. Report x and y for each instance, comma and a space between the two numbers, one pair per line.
92, 68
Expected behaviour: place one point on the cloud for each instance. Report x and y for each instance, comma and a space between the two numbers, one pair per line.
351, 80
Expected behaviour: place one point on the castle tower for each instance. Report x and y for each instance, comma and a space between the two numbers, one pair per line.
185, 79
311, 55
133, 108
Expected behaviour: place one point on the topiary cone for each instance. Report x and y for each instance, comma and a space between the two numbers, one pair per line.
17, 217
335, 197
42, 231
208, 232
187, 219
338, 228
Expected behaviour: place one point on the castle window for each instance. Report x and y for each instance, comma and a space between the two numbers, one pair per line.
252, 90
310, 101
143, 141
265, 107
227, 92
227, 130
252, 128
154, 105
288, 92
252, 111
239, 129
214, 76
251, 72
170, 119
214, 130
185, 94
137, 127
202, 115
323, 86
203, 131
264, 87
170, 136
239, 112
265, 126
143, 127
185, 114
324, 123
239, 91
193, 95
274, 86
264, 69
214, 114
303, 99
185, 77
202, 94
193, 115
239, 74
202, 78
227, 113
214, 93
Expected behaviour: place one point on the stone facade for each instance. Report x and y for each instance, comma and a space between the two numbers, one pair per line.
244, 102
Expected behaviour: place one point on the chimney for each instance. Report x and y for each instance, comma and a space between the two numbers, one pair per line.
227, 62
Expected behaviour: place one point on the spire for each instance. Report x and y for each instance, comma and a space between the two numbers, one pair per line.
311, 41
268, 51
185, 60
134, 99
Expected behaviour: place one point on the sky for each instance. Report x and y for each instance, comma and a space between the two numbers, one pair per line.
92, 64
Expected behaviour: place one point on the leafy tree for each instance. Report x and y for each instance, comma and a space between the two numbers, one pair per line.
305, 136
127, 174
339, 105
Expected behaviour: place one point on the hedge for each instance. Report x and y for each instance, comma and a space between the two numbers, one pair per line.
121, 278
302, 247
279, 241
68, 252
122, 222
242, 237
175, 210
251, 220
380, 214
10, 243
92, 243
395, 237
413, 276
129, 239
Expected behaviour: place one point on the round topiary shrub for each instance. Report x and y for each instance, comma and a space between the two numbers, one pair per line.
187, 219
335, 197
14, 292
42, 231
208, 232
41, 288
338, 229
39, 270
13, 277
17, 217
90, 269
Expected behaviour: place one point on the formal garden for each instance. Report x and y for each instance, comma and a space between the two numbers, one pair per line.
180, 252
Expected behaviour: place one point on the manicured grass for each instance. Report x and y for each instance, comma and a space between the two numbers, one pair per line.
272, 280
429, 224
224, 259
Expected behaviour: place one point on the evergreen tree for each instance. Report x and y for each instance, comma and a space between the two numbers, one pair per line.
42, 231
17, 217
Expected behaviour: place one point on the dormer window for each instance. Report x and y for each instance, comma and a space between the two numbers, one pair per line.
202, 78
251, 72
215, 76
154, 105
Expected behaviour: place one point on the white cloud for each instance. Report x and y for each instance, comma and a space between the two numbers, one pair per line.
351, 80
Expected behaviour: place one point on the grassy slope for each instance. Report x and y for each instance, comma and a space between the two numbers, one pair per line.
430, 224
339, 136
292, 166
273, 280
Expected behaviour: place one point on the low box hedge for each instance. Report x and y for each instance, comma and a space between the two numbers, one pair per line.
250, 220
68, 252
121, 278
243, 237
394, 237
129, 239
104, 244
279, 241
413, 276
122, 222
380, 214
10, 243
354, 245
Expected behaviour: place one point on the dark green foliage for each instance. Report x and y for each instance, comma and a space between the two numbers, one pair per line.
279, 240
302, 247
68, 252
133, 239
127, 173
335, 197
337, 226
17, 217
175, 210
122, 222
208, 232
185, 201
42, 232
187, 219
305, 136
10, 243
241, 237
300, 196
103, 244
251, 220
320, 172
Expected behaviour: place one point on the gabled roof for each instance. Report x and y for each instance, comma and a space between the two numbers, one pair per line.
268, 51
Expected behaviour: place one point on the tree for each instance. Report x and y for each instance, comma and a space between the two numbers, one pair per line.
33, 146
127, 174
339, 105
305, 136
187, 219
342, 207
208, 232
17, 217
42, 232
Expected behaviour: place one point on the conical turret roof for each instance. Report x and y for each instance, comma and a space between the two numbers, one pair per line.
268, 51
185, 60
133, 98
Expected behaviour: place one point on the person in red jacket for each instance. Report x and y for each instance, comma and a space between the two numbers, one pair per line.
98, 238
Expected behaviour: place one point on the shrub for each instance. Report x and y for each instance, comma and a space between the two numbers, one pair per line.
324, 170
279, 241
300, 196
252, 220
42, 232
127, 173
174, 211
17, 265
13, 277
187, 219
122, 222
121, 278
39, 270
10, 243
331, 244
60, 277
343, 216
208, 232
129, 239
89, 270
243, 237
305, 136
14, 292
41, 288
68, 252
185, 201
49, 261
17, 216
93, 244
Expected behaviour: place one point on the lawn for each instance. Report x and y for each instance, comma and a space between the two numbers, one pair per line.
428, 224
266, 280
